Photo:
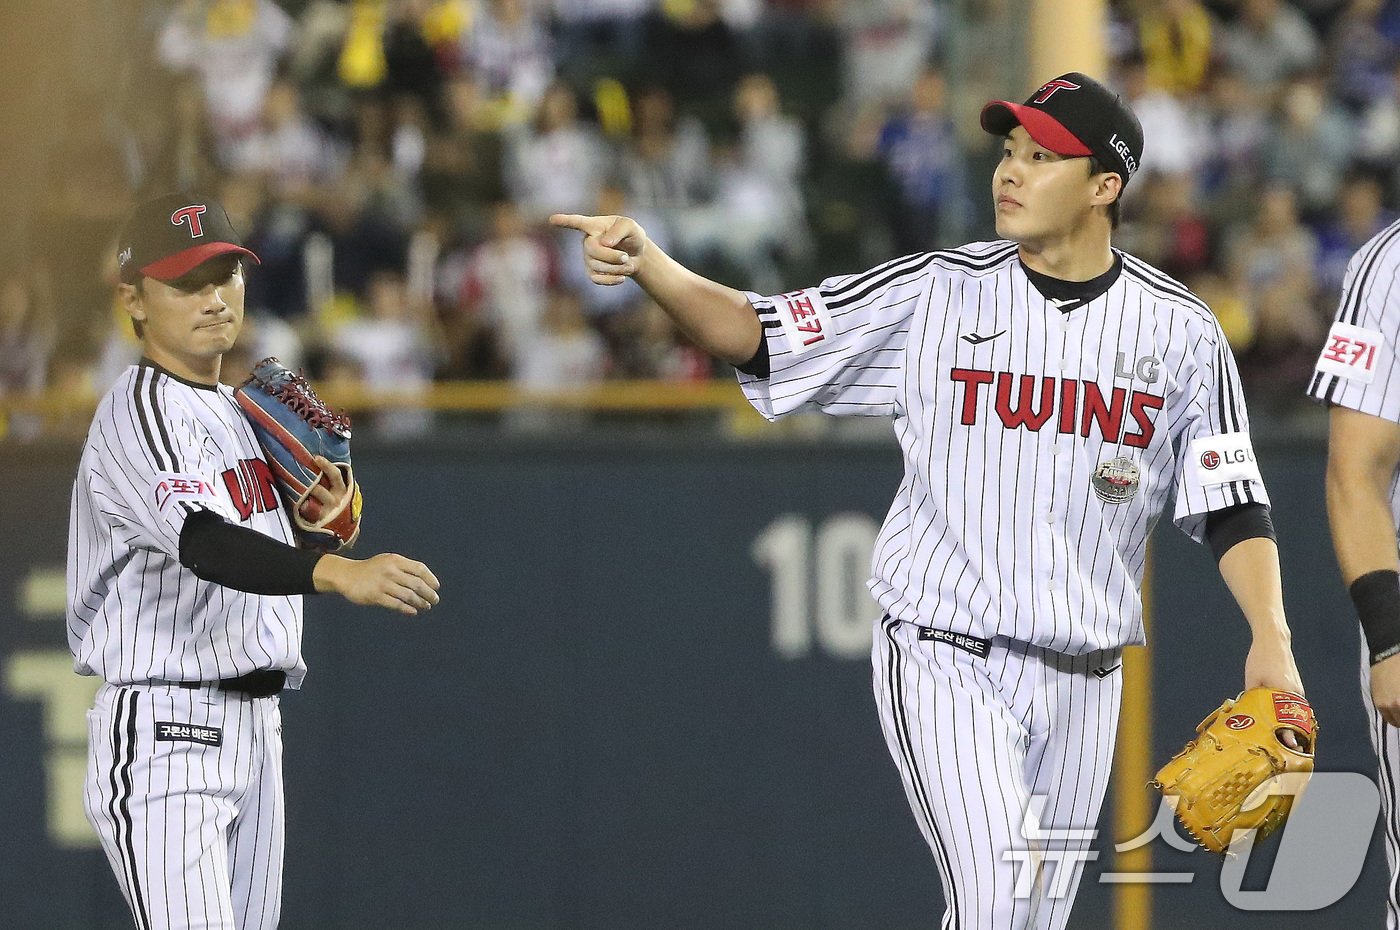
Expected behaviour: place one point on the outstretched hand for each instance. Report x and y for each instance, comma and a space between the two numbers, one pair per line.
385, 580
613, 246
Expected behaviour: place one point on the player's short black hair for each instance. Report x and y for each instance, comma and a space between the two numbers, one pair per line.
1115, 209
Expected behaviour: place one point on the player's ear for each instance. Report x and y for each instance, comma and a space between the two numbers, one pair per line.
132, 300
1107, 187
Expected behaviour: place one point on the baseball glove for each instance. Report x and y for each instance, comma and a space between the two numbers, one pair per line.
1220, 782
293, 425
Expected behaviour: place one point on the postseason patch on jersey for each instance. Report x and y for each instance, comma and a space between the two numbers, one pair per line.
171, 488
1224, 458
1351, 352
806, 322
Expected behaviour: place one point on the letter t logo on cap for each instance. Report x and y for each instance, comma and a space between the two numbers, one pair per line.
1048, 91
190, 215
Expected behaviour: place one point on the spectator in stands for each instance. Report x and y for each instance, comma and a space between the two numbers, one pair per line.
1166, 228
1269, 42
1175, 37
1360, 56
665, 166
888, 42
463, 164
918, 146
1271, 260
234, 46
1309, 144
1236, 126
1358, 214
593, 38
1178, 143
392, 347
556, 159
565, 352
504, 290
27, 332
509, 50
287, 146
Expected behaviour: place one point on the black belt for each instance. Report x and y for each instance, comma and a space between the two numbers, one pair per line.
263, 683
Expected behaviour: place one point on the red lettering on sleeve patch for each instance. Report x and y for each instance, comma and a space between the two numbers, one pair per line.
1351, 352
804, 319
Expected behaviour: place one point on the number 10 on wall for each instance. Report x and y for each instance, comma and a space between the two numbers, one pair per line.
817, 573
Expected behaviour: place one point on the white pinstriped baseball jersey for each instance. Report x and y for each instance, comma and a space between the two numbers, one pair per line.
159, 447
1358, 369
1041, 439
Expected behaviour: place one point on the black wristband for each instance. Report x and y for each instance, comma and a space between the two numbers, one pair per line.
1377, 599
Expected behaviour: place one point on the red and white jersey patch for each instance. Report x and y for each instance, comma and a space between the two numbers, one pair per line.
805, 320
1351, 352
171, 488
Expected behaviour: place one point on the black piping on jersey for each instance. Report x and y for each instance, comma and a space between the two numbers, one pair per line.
1358, 286
1351, 307
147, 363
906, 747
1154, 280
1384, 735
145, 422
837, 298
126, 848
156, 372
976, 263
1228, 413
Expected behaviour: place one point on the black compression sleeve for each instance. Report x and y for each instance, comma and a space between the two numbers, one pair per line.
1225, 528
758, 366
244, 559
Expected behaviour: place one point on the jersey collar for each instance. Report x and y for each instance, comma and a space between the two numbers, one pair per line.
147, 363
1068, 296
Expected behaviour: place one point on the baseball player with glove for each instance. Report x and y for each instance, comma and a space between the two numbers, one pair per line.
185, 580
1051, 395
1355, 372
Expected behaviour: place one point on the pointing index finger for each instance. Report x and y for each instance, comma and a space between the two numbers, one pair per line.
590, 225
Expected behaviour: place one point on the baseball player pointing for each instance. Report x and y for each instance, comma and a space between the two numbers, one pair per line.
1051, 395
184, 594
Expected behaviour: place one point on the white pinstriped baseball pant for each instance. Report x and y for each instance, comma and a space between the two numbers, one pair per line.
194, 832
975, 739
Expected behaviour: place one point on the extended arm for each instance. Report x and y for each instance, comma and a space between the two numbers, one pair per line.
1363, 452
245, 560
717, 318
1251, 572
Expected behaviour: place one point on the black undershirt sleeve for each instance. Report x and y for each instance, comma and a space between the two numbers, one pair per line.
243, 559
1232, 525
758, 366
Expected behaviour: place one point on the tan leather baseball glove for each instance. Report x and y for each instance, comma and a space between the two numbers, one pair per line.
1228, 778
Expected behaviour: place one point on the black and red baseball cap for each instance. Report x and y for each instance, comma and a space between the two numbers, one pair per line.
169, 236
1074, 115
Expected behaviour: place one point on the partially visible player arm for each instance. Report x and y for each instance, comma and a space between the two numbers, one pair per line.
718, 319
245, 560
1363, 453
1251, 572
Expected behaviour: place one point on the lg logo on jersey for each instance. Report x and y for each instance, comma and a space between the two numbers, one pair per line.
251, 488
1147, 369
1077, 406
1211, 460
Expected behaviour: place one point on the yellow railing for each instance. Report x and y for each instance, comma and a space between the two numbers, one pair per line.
466, 397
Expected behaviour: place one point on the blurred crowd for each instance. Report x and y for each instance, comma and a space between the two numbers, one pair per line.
393, 163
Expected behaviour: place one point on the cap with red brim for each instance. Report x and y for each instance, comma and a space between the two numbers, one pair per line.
170, 236
1001, 116
182, 263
